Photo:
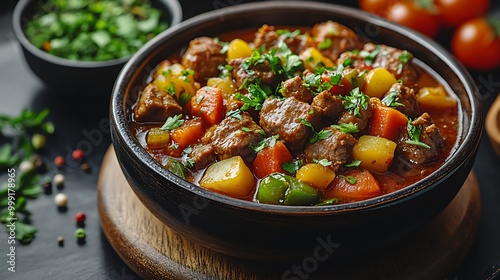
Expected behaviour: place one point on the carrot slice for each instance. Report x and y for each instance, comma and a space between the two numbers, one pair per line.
208, 103
354, 185
188, 133
270, 160
386, 122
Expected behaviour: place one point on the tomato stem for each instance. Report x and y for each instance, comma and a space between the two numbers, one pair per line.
495, 24
427, 5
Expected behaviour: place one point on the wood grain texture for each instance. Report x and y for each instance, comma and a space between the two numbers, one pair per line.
155, 251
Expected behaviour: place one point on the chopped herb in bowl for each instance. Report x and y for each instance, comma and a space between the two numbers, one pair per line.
91, 30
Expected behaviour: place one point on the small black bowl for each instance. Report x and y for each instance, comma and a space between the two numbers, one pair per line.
272, 232
70, 76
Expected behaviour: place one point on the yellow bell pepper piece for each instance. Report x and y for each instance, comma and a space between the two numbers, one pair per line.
238, 49
313, 59
435, 97
316, 175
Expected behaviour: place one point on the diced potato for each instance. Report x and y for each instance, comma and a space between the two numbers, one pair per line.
157, 138
238, 49
375, 153
230, 177
377, 82
225, 84
176, 80
435, 97
316, 175
313, 58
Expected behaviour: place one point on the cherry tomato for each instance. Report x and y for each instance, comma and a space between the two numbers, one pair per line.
455, 12
476, 44
409, 14
378, 7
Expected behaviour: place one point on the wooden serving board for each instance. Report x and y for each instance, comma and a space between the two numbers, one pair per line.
154, 251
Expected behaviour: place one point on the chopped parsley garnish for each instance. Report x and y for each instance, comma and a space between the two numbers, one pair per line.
323, 162
405, 56
257, 96
391, 100
172, 123
346, 127
321, 135
184, 98
225, 70
351, 180
347, 62
370, 56
246, 129
267, 142
234, 114
355, 101
414, 134
285, 33
187, 150
325, 44
185, 73
292, 167
170, 89
355, 163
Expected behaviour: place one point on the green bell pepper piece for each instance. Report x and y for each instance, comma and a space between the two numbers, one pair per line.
284, 189
300, 193
272, 189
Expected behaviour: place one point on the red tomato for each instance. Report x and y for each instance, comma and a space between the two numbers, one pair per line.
455, 12
378, 7
476, 44
409, 14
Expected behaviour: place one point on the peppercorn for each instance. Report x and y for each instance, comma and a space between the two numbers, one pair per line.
59, 161
26, 166
38, 141
61, 200
80, 217
85, 167
60, 240
80, 233
78, 154
58, 181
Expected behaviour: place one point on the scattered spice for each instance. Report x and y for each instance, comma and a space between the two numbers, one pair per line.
61, 200
80, 233
78, 154
59, 161
58, 180
85, 167
60, 240
80, 217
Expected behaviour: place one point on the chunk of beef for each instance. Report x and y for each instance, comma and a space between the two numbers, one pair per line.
342, 39
203, 55
406, 97
328, 105
202, 155
429, 135
295, 87
361, 120
267, 37
230, 139
337, 148
282, 117
262, 71
155, 105
397, 62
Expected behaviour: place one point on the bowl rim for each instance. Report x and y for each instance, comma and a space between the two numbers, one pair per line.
469, 141
172, 5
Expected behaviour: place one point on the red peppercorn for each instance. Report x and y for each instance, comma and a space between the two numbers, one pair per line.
78, 154
80, 217
59, 161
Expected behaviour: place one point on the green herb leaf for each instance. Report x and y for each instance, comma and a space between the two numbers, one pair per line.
414, 134
355, 163
391, 99
292, 167
355, 101
267, 142
323, 162
351, 180
346, 127
172, 123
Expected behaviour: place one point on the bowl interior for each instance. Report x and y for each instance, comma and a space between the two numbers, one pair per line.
251, 16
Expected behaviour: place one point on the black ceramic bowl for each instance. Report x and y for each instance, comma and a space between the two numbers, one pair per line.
270, 232
76, 76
